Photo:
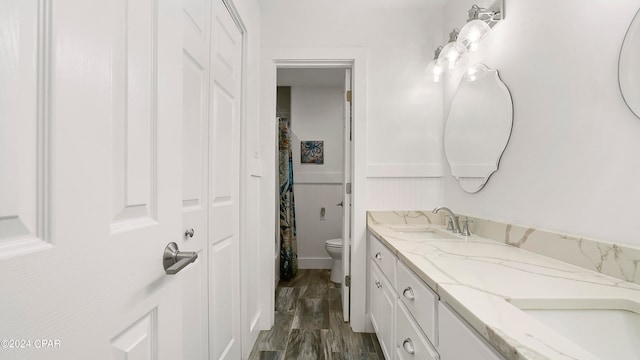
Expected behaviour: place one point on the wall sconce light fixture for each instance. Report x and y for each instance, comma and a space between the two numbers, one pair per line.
454, 53
435, 70
478, 25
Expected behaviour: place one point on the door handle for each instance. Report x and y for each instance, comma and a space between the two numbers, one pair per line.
174, 260
341, 204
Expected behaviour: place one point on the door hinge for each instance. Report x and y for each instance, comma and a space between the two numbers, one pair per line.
349, 95
348, 188
347, 281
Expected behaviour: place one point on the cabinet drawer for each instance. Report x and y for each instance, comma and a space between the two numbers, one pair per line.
385, 259
410, 343
419, 299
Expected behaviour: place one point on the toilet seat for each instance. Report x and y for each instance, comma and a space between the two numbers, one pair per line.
335, 243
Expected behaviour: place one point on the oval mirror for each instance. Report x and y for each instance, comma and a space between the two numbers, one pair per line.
629, 66
478, 127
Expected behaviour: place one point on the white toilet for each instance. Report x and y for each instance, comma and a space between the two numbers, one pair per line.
334, 248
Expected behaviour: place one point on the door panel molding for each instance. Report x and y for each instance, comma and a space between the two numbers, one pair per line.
135, 116
139, 341
25, 130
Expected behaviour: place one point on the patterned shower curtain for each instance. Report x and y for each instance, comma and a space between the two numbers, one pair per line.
288, 245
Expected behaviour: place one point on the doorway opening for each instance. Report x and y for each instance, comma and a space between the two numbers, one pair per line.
313, 177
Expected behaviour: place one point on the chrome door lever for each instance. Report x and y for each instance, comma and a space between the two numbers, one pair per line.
174, 260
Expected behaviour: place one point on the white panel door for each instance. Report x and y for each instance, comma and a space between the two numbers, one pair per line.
90, 184
195, 140
224, 271
346, 197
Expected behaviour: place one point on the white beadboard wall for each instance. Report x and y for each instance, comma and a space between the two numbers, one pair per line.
313, 232
404, 193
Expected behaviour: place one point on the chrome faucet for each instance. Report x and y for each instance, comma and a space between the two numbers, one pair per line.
452, 216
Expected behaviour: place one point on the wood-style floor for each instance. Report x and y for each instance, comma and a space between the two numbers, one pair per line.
309, 326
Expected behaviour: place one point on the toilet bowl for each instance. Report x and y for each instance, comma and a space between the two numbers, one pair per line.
334, 249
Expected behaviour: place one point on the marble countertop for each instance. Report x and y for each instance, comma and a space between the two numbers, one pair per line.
484, 280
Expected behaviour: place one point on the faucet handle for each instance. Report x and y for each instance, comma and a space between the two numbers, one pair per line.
465, 228
450, 224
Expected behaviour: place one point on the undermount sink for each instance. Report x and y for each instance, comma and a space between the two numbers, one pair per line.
610, 331
421, 233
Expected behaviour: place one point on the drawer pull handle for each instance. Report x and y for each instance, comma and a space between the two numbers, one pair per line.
378, 284
379, 256
407, 344
408, 293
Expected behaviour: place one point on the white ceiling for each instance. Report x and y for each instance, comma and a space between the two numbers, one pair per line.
270, 4
311, 77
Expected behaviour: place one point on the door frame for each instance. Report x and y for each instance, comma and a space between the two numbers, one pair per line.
357, 60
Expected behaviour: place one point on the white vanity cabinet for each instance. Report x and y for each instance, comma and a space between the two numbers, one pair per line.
397, 299
459, 341
409, 319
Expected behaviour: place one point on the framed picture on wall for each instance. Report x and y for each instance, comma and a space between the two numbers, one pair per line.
312, 152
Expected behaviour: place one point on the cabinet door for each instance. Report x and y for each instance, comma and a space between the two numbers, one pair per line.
375, 294
459, 341
383, 299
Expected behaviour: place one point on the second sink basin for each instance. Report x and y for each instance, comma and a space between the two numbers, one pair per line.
609, 332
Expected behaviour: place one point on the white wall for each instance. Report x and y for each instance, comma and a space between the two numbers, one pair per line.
317, 114
573, 161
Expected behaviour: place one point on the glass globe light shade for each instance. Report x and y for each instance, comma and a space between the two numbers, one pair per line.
434, 71
452, 55
472, 33
476, 72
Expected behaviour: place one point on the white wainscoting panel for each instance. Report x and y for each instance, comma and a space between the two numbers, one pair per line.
404, 193
311, 230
